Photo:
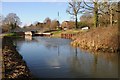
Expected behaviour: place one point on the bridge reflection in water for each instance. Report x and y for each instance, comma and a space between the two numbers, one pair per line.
28, 37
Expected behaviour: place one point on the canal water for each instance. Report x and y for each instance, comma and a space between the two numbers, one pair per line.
56, 58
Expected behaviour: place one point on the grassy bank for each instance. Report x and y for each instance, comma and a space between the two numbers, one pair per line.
14, 66
13, 35
10, 34
99, 39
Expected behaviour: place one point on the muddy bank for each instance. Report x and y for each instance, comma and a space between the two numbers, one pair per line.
14, 66
105, 39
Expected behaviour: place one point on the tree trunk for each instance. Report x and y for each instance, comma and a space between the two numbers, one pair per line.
76, 26
95, 15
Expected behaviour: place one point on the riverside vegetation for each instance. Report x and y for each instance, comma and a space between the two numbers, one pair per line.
14, 65
106, 39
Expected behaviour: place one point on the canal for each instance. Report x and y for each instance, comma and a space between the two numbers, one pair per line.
56, 58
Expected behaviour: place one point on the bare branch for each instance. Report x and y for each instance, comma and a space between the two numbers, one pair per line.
88, 5
117, 11
70, 12
74, 9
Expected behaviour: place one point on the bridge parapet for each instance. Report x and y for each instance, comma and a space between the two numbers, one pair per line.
28, 33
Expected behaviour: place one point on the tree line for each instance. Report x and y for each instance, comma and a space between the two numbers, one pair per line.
12, 23
99, 12
94, 14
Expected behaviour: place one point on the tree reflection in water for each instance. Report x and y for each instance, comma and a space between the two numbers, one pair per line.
66, 60
94, 65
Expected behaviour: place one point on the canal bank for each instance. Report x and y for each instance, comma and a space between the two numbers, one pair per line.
14, 67
100, 39
103, 39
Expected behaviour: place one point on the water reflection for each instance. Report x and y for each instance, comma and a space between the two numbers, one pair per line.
76, 51
54, 57
28, 37
94, 65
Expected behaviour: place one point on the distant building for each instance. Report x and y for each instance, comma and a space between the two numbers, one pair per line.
67, 25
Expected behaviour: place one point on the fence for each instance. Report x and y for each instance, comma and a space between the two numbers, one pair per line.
67, 36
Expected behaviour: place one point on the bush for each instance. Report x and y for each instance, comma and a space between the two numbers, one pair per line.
82, 24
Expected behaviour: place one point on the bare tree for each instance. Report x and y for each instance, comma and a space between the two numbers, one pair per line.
87, 16
12, 20
100, 7
1, 20
96, 7
47, 21
112, 8
86, 20
74, 9
54, 24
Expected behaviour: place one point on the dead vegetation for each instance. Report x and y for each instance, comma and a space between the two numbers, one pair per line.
99, 39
